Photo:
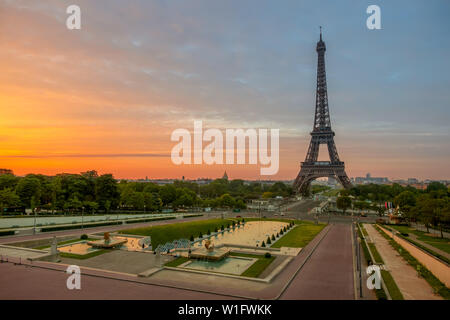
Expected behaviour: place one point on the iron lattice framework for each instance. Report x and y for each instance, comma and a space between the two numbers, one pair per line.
312, 169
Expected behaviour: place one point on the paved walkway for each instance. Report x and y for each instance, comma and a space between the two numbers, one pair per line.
328, 275
410, 284
22, 282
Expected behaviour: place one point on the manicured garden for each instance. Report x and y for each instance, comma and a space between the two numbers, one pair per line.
299, 236
188, 230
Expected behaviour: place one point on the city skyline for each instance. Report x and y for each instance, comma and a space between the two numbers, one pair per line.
107, 97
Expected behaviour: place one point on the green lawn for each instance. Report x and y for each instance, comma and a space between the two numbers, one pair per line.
394, 291
176, 262
299, 236
442, 244
169, 232
258, 267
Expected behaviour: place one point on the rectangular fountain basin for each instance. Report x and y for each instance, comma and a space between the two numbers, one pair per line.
229, 265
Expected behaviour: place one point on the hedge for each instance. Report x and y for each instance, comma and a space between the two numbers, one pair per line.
7, 233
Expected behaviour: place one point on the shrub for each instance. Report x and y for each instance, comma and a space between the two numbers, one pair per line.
273, 237
267, 255
209, 232
191, 238
215, 229
222, 228
200, 235
268, 240
84, 237
263, 244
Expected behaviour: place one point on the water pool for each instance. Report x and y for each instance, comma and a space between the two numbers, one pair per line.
230, 265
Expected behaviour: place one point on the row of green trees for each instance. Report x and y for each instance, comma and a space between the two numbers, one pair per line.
92, 192
430, 206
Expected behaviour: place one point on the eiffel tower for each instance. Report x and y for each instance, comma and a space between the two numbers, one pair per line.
312, 169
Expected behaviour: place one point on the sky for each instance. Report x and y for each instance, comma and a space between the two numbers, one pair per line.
107, 97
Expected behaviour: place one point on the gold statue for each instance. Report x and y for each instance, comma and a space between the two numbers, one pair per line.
209, 245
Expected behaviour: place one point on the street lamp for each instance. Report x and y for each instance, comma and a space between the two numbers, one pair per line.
82, 221
34, 228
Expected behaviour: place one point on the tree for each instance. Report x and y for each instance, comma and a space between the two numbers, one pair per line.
343, 203
8, 181
73, 204
90, 206
8, 198
226, 201
106, 192
168, 194
28, 188
406, 200
240, 204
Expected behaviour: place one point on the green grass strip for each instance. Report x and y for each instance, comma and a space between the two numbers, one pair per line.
258, 267
380, 293
392, 287
178, 261
376, 255
299, 236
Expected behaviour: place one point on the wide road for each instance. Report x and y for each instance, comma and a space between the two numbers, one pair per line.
328, 274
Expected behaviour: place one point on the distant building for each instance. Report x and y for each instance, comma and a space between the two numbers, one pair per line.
6, 171
369, 179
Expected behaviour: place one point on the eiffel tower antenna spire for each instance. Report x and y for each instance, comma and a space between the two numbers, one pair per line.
322, 133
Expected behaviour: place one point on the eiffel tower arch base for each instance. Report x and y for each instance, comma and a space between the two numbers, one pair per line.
311, 172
